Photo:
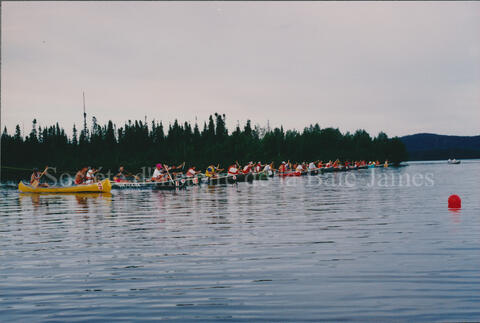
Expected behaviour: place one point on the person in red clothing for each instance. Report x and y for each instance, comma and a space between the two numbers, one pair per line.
248, 168
36, 176
282, 168
192, 171
233, 170
80, 177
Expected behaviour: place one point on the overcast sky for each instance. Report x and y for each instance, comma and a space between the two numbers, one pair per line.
398, 67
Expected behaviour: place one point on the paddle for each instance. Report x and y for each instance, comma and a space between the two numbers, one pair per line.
166, 168
37, 181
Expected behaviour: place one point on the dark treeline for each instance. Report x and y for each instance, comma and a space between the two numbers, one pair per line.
137, 144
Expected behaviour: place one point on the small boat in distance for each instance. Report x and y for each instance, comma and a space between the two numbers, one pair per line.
453, 161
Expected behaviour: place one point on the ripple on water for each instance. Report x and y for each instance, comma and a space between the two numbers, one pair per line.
272, 250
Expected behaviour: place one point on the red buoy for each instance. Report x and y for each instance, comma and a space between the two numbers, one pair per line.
454, 202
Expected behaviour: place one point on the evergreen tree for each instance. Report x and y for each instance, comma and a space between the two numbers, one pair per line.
74, 137
135, 145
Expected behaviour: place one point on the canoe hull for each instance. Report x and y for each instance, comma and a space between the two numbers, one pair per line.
132, 185
290, 174
190, 181
169, 186
249, 177
260, 176
101, 187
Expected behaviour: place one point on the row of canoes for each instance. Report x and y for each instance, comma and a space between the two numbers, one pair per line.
182, 182
179, 183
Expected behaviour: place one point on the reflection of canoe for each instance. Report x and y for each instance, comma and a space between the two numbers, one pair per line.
103, 186
260, 176
52, 197
223, 179
245, 177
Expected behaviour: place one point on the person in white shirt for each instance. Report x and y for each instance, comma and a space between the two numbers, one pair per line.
233, 170
90, 176
158, 173
268, 169
299, 168
311, 166
248, 168
192, 171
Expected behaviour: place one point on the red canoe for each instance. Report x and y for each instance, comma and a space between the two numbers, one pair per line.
289, 174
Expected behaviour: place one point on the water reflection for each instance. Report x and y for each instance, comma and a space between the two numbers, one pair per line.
455, 215
283, 249
83, 200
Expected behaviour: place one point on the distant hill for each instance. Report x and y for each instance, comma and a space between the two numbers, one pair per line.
427, 146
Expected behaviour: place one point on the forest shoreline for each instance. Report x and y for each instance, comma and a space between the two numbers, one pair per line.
138, 144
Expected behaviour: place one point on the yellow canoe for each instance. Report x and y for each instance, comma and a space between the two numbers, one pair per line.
100, 187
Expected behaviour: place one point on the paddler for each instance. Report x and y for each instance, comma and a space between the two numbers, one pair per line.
192, 171
248, 168
80, 176
335, 164
212, 171
233, 170
258, 167
268, 168
299, 168
282, 168
90, 176
120, 176
158, 173
311, 166
176, 170
35, 178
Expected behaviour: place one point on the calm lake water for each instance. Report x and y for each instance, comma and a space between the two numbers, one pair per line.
296, 249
